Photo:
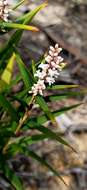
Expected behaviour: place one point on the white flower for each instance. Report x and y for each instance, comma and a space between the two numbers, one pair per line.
53, 64
50, 80
51, 53
40, 74
44, 66
60, 59
48, 59
56, 46
38, 88
52, 75
52, 48
4, 12
59, 50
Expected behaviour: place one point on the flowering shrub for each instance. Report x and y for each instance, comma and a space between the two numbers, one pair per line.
37, 78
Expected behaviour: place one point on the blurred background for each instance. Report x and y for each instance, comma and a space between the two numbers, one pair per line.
63, 22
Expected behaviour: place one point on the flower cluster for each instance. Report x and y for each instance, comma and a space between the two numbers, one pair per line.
48, 72
4, 10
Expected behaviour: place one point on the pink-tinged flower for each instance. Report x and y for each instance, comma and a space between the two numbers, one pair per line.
48, 71
4, 12
38, 88
53, 57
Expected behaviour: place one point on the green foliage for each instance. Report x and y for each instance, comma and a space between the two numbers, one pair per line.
16, 119
10, 174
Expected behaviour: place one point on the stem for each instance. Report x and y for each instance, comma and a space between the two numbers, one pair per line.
21, 122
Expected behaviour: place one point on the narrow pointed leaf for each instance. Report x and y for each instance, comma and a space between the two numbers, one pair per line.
34, 139
43, 162
43, 105
43, 118
52, 135
64, 109
59, 87
12, 177
28, 17
18, 4
3, 86
7, 106
7, 74
67, 95
24, 72
18, 26
28, 140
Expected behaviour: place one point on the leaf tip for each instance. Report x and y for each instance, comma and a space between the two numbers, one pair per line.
45, 4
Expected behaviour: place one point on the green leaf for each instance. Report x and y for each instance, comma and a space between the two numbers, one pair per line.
7, 106
17, 79
52, 135
34, 138
3, 86
67, 95
43, 118
33, 67
17, 143
43, 105
5, 25
58, 97
22, 94
64, 109
6, 88
28, 16
18, 5
12, 177
24, 71
42, 161
28, 140
59, 87
7, 74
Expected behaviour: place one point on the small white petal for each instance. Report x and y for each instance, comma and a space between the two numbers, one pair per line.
1, 3
52, 49
44, 66
59, 50
53, 64
48, 58
56, 54
50, 80
51, 53
6, 10
60, 58
56, 46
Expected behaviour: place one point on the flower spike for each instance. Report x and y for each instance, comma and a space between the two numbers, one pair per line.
48, 71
